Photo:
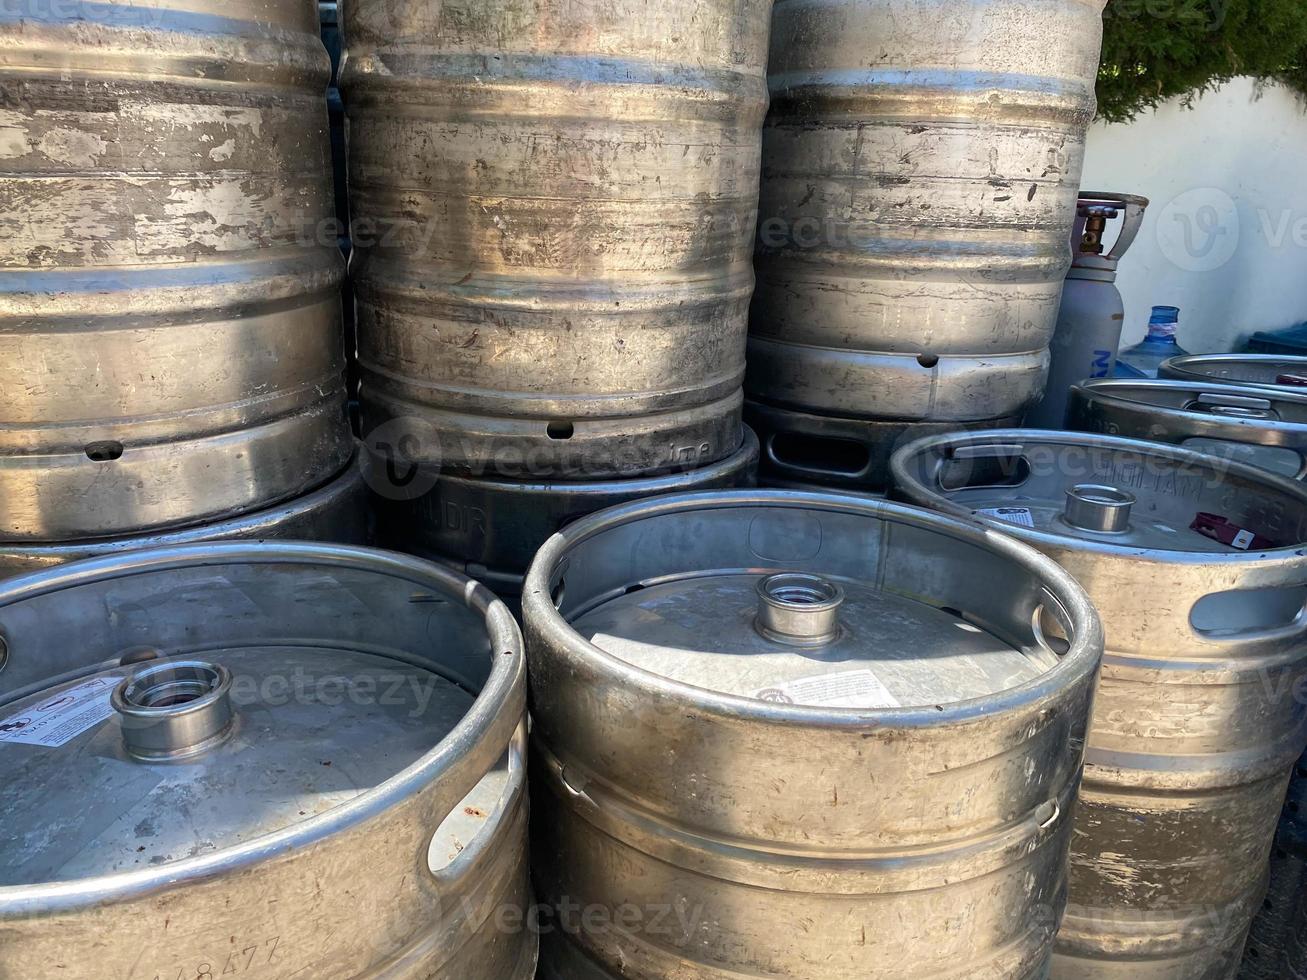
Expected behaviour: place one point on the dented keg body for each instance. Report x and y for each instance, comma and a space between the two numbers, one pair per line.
169, 324
553, 209
1196, 567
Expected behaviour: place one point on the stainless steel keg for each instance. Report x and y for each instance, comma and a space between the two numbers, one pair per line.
801, 735
921, 164
1197, 568
1279, 370
1261, 426
169, 318
491, 529
261, 760
553, 208
336, 512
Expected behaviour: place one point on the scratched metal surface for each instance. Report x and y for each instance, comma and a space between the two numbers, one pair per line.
169, 328
746, 834
559, 202
1198, 718
921, 162
365, 817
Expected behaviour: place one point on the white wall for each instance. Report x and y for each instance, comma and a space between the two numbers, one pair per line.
1225, 238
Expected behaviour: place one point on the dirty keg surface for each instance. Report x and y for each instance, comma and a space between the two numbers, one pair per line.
892, 650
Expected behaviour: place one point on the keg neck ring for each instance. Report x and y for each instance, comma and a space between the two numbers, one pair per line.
1099, 508
174, 710
799, 609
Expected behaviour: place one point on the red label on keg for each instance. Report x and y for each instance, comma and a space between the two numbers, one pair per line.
1296, 380
1217, 528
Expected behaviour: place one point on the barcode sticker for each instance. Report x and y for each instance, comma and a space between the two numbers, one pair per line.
1013, 515
850, 689
61, 717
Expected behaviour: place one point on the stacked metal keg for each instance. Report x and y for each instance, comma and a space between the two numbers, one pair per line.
1251, 410
553, 286
171, 340
921, 166
1195, 564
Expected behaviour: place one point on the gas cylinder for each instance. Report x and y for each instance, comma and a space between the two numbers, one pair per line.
1088, 329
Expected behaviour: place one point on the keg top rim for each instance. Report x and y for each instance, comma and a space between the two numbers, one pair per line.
487, 715
546, 625
907, 486
1208, 367
1137, 390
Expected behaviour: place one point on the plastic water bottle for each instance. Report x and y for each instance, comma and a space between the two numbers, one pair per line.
1143, 359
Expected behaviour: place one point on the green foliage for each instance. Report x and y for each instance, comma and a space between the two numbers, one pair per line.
1155, 50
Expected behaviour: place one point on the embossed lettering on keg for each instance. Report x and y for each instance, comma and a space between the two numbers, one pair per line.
264, 758
553, 209
810, 735
1199, 716
921, 165
169, 324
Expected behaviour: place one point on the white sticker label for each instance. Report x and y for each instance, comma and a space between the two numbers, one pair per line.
1013, 515
851, 689
1243, 540
61, 717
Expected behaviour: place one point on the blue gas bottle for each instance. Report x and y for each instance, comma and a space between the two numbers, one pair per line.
1143, 359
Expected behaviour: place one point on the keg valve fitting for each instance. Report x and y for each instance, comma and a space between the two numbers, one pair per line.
799, 609
1093, 507
174, 709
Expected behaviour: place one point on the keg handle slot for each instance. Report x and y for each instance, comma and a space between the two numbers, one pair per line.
801, 452
1233, 406
798, 609
979, 467
173, 710
1048, 614
467, 820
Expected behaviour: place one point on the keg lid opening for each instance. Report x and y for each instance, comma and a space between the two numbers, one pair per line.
174, 709
799, 609
1096, 507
